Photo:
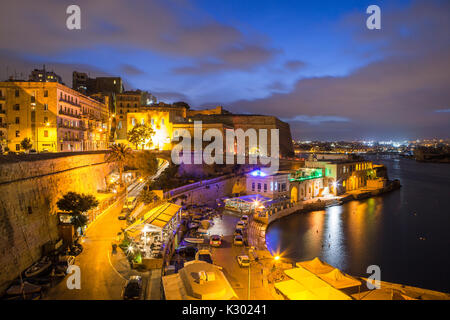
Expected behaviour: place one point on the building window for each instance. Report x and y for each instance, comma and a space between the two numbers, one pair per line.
17, 93
259, 186
46, 133
162, 121
17, 134
16, 107
253, 186
17, 147
33, 99
283, 187
119, 125
45, 120
133, 121
265, 187
45, 106
153, 122
271, 186
45, 93
17, 120
142, 121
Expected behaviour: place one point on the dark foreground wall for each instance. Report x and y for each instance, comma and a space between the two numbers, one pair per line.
29, 191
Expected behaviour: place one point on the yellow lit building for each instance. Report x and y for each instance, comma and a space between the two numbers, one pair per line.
55, 117
159, 118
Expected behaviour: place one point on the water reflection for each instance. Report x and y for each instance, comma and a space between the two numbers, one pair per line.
387, 231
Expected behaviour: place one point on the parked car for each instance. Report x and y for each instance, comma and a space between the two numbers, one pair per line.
215, 240
133, 288
244, 219
243, 261
204, 255
238, 232
238, 240
240, 225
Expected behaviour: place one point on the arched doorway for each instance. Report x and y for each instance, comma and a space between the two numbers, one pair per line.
294, 194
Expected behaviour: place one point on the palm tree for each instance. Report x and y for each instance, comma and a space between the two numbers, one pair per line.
119, 153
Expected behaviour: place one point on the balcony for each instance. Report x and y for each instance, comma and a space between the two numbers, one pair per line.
68, 139
69, 102
77, 116
81, 128
2, 98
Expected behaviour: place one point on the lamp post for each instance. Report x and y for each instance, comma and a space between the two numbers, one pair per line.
276, 258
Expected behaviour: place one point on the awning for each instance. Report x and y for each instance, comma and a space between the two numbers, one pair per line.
293, 290
158, 216
317, 288
316, 266
339, 280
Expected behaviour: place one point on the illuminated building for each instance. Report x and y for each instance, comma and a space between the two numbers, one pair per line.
271, 186
342, 175
55, 117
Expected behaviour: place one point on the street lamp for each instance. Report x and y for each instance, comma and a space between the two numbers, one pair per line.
275, 258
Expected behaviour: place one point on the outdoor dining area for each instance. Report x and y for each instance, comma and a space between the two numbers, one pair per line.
155, 231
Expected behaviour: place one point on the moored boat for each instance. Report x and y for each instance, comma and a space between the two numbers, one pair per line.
38, 268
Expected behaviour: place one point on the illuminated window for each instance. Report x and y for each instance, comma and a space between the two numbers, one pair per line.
133, 121
45, 133
142, 121
162, 121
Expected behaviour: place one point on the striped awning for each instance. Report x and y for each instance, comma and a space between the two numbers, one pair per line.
158, 216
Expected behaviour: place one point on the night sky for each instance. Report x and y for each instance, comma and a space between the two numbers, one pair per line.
311, 63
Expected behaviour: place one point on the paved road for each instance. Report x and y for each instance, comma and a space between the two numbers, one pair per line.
102, 275
225, 256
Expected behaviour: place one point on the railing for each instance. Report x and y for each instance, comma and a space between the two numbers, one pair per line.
81, 128
69, 114
69, 102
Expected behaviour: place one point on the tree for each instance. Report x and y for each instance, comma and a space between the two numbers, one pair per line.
146, 163
26, 144
140, 134
119, 153
76, 204
147, 196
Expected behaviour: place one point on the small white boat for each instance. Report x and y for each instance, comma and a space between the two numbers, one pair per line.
38, 268
195, 240
202, 231
24, 288
193, 225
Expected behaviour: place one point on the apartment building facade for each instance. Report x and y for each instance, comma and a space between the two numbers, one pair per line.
54, 117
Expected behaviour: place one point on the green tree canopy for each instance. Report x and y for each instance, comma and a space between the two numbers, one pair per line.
26, 144
140, 134
119, 153
75, 204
